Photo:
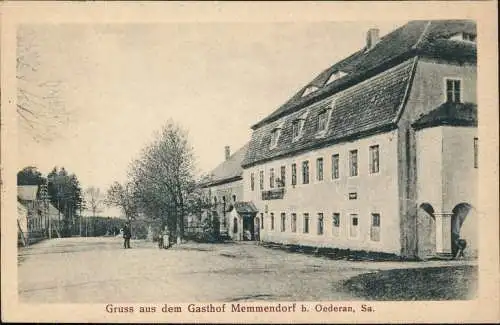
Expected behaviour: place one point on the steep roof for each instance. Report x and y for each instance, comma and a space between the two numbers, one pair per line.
456, 114
228, 170
429, 38
27, 192
370, 106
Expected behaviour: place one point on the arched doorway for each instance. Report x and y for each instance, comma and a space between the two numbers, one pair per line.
460, 213
426, 231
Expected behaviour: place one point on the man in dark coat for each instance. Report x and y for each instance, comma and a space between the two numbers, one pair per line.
126, 235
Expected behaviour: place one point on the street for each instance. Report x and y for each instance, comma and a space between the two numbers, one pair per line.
99, 270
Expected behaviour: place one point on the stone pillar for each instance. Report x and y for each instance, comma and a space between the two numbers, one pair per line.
443, 232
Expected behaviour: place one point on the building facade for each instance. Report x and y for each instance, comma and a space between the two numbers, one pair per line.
35, 217
224, 188
379, 152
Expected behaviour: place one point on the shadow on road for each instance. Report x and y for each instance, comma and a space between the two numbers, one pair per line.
434, 283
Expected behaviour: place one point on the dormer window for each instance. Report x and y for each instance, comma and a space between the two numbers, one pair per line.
308, 90
275, 134
453, 90
297, 127
323, 118
464, 37
335, 76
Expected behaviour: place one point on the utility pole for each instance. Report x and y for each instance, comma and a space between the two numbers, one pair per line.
59, 206
44, 195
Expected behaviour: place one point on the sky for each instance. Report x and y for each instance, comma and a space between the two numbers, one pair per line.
120, 83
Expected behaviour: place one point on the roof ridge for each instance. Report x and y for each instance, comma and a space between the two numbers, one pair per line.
426, 28
407, 90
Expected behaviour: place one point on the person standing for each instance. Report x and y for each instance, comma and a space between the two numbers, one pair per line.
126, 235
166, 238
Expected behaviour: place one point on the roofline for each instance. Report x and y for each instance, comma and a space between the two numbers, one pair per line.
406, 95
358, 135
444, 122
221, 181
415, 50
355, 79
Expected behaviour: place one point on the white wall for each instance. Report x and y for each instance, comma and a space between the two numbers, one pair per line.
430, 167
446, 175
227, 190
376, 193
460, 178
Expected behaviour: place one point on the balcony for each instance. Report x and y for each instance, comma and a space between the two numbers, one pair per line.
274, 194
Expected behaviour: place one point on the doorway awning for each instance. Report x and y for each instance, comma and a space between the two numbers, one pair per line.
245, 207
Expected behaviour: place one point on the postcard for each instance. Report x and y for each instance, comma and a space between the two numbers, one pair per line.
250, 162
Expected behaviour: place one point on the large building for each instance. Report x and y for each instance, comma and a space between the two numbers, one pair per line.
224, 187
378, 152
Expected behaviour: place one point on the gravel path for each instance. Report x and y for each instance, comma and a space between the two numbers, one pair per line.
99, 270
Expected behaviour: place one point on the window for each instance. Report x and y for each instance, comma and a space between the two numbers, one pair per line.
294, 222
283, 221
261, 179
336, 220
453, 90
297, 127
320, 224
283, 176
375, 228
476, 152
308, 90
374, 159
353, 163
262, 221
323, 120
275, 134
234, 198
271, 178
336, 224
319, 169
272, 221
335, 166
235, 225
335, 76
305, 172
464, 37
252, 181
469, 37
294, 174
354, 227
306, 223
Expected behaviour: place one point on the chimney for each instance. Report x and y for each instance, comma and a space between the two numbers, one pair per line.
372, 38
227, 152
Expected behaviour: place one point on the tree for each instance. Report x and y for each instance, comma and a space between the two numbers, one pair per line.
30, 176
163, 177
40, 107
122, 196
66, 195
94, 200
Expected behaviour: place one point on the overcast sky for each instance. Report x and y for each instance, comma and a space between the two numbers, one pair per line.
123, 82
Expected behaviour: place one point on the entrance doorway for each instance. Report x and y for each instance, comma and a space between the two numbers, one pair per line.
248, 227
460, 212
441, 233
